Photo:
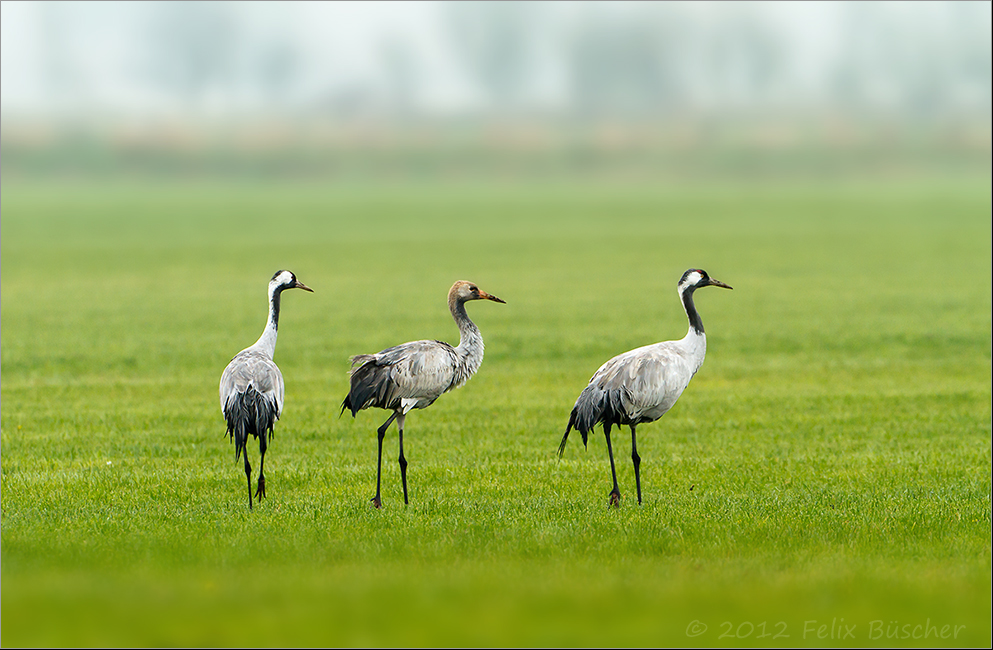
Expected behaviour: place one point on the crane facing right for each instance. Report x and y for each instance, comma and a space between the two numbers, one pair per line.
640, 385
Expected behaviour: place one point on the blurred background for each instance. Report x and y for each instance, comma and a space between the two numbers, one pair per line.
160, 160
356, 89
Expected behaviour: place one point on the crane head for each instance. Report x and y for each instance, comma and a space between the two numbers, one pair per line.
463, 291
695, 278
286, 280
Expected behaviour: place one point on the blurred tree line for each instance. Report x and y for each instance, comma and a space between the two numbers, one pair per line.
544, 87
577, 60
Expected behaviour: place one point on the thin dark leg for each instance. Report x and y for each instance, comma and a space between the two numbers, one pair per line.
403, 461
376, 501
260, 493
636, 459
248, 475
615, 494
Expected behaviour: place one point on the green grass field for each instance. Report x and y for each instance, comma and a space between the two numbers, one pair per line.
825, 479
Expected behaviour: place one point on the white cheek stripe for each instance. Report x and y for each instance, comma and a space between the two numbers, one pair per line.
691, 279
283, 278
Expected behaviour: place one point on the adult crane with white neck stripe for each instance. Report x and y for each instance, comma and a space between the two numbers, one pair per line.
413, 375
251, 386
639, 386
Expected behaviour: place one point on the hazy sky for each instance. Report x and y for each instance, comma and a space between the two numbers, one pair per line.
92, 55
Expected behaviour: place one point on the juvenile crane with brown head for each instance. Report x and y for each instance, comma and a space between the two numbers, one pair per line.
413, 375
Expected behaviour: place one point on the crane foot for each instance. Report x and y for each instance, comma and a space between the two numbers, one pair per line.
375, 503
260, 493
615, 498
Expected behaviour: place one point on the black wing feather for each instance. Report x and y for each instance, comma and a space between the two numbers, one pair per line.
370, 385
249, 413
595, 405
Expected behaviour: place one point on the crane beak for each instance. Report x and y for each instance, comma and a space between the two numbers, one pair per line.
718, 283
301, 285
488, 296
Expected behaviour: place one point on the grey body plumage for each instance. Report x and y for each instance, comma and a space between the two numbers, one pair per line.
641, 385
419, 370
252, 397
413, 375
251, 387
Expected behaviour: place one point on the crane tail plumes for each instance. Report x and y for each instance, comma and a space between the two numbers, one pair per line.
249, 413
370, 384
595, 405
565, 438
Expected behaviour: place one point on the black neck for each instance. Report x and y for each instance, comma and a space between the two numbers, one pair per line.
274, 309
691, 312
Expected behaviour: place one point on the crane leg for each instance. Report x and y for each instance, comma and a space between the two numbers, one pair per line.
248, 475
615, 494
260, 493
403, 461
636, 459
376, 501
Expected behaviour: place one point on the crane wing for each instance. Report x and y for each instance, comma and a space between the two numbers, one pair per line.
647, 381
636, 386
411, 375
426, 369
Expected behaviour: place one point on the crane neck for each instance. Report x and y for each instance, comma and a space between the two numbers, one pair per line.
695, 341
267, 342
696, 324
470, 348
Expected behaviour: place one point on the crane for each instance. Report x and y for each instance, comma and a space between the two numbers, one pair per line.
413, 375
251, 386
639, 386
